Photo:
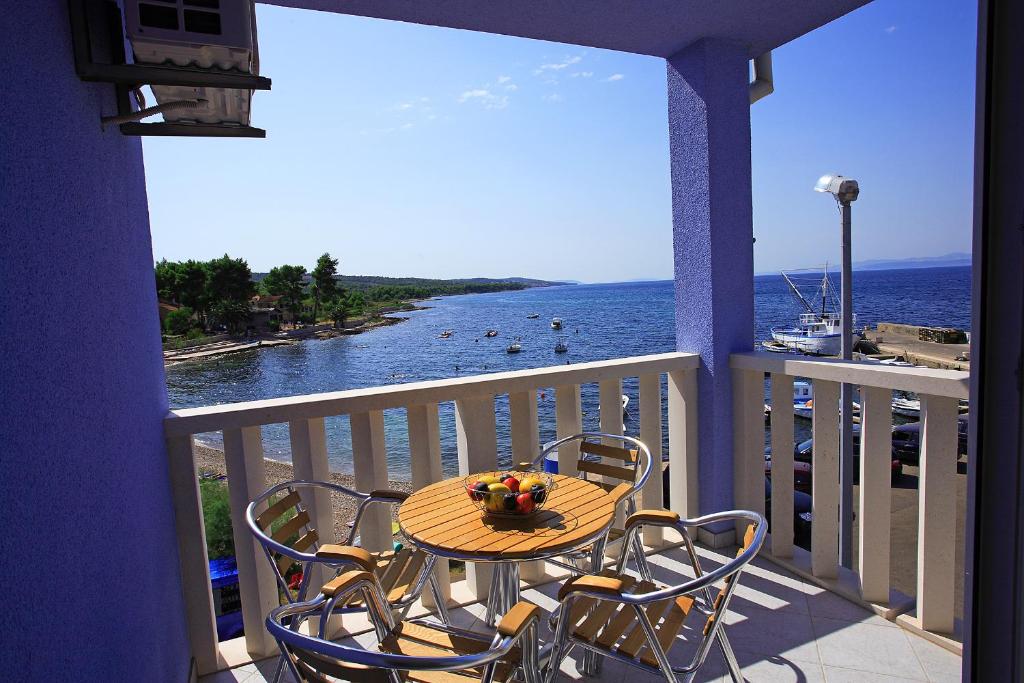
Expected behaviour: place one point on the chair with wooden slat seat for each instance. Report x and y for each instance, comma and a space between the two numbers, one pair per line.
287, 535
637, 620
622, 480
409, 650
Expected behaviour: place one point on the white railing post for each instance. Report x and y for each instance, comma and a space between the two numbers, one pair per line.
782, 465
477, 442
568, 421
825, 480
425, 462
257, 585
748, 440
309, 462
652, 495
192, 555
936, 528
875, 495
370, 469
610, 402
522, 409
683, 453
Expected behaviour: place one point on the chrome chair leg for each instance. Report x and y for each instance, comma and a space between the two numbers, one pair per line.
730, 656
439, 601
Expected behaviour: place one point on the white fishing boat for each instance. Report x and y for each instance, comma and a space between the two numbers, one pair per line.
906, 407
803, 399
515, 346
819, 330
556, 323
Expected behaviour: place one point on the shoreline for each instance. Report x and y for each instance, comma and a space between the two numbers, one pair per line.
210, 461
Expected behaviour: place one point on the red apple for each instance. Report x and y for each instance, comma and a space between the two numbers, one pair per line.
512, 483
524, 503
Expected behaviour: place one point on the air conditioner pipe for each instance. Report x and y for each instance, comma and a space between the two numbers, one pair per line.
150, 111
763, 84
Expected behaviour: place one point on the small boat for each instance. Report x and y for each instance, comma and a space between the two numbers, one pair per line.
446, 334
561, 346
556, 323
625, 404
775, 346
907, 407
515, 346
820, 330
533, 316
491, 333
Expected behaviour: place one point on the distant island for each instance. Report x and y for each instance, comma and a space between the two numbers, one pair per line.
948, 261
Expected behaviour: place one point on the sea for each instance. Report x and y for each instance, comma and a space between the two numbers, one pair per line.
601, 321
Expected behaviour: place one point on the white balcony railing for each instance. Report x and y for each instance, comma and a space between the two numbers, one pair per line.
939, 391
477, 445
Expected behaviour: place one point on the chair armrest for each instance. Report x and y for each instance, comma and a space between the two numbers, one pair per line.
607, 585
345, 582
516, 620
654, 517
347, 553
398, 496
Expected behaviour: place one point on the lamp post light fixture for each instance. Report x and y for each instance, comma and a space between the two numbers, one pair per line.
846, 191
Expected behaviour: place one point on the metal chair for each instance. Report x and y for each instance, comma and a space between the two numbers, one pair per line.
408, 650
289, 540
612, 614
622, 482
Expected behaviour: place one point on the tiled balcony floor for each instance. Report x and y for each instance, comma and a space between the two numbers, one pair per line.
781, 627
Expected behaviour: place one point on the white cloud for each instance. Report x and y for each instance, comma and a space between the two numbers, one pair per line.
581, 74
405, 126
614, 77
485, 97
890, 29
558, 66
553, 97
511, 87
504, 79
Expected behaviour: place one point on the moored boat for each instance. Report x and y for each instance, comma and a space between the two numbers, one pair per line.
514, 347
533, 316
556, 323
819, 331
491, 333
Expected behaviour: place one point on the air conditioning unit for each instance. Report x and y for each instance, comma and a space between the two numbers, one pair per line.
214, 35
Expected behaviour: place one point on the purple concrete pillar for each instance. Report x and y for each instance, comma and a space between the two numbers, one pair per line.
709, 136
88, 556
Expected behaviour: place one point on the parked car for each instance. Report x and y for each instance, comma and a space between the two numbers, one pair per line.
906, 440
803, 454
801, 514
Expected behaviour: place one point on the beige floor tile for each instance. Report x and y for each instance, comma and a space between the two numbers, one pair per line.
865, 647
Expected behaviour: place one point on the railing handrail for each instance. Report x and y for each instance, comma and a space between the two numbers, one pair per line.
930, 381
188, 421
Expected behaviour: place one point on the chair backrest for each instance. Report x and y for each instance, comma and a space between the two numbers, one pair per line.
313, 658
623, 478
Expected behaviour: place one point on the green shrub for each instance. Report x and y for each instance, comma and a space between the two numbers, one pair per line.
179, 321
195, 333
217, 518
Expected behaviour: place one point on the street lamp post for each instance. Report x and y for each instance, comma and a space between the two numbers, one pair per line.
845, 191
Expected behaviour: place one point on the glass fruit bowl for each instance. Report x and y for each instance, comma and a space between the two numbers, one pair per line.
509, 494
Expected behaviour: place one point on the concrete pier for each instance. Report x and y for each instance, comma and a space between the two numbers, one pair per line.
894, 339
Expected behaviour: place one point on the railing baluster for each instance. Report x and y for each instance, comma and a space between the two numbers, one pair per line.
936, 528
683, 454
309, 462
610, 401
748, 441
652, 495
875, 495
825, 480
192, 555
425, 462
477, 441
257, 586
370, 467
782, 465
568, 421
522, 408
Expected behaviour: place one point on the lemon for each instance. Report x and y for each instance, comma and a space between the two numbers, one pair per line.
496, 497
488, 480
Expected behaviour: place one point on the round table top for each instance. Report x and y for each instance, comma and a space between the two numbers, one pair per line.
441, 519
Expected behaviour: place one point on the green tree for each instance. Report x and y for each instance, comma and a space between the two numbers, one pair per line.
232, 314
192, 285
167, 280
337, 311
179, 321
286, 281
325, 287
228, 280
355, 303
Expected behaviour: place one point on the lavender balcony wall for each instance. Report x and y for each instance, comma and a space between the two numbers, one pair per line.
88, 553
709, 142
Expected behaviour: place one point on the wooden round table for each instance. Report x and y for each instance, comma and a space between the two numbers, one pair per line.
442, 520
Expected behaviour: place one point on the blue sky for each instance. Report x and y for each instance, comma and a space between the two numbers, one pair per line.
411, 150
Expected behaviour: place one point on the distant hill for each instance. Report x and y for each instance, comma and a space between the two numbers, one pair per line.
947, 261
411, 287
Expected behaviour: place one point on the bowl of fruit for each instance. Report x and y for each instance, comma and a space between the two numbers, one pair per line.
503, 494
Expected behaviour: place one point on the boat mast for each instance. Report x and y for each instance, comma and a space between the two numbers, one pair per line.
824, 291
796, 293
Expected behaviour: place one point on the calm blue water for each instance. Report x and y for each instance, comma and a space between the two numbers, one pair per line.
601, 322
